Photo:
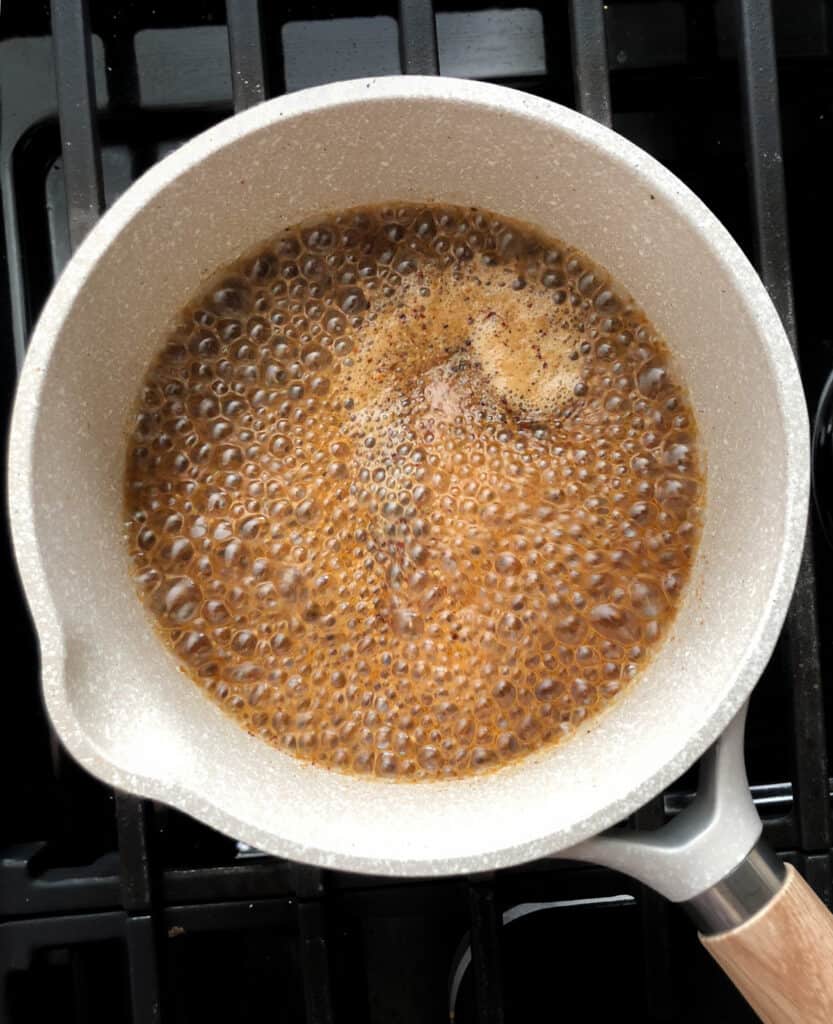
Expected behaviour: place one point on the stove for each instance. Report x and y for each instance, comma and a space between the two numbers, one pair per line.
117, 909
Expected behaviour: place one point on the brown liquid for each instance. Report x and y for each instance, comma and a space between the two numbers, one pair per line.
412, 491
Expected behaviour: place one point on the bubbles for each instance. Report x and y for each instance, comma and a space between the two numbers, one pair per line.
507, 564
412, 492
652, 379
647, 598
181, 600
407, 623
614, 623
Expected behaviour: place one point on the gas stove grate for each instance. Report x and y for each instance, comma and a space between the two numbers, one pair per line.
131, 906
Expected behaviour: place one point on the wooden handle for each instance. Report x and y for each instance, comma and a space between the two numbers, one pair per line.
781, 960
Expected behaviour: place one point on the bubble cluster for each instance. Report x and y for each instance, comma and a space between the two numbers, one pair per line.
412, 491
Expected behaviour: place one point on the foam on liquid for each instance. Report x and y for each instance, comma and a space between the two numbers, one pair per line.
412, 491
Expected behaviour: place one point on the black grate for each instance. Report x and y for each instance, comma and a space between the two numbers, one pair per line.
113, 908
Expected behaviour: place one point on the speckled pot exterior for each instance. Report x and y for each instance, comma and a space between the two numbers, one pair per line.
115, 695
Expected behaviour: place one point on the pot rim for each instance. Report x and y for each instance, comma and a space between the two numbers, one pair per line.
498, 99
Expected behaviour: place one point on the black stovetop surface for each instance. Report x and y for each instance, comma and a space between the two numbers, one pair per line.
116, 909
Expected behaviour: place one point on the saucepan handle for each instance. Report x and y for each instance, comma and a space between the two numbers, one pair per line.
781, 959
760, 920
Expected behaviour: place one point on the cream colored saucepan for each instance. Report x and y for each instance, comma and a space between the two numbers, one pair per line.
126, 713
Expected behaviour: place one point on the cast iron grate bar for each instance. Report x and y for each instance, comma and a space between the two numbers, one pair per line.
245, 39
83, 182
315, 962
759, 84
418, 38
800, 646
800, 641
140, 943
485, 953
131, 826
590, 67
20, 940
72, 47
816, 869
654, 913
310, 893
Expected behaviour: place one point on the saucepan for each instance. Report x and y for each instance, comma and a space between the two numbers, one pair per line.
115, 695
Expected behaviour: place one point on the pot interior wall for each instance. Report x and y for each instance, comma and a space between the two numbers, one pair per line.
127, 695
